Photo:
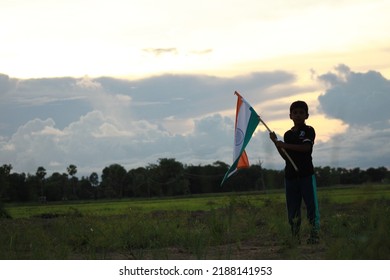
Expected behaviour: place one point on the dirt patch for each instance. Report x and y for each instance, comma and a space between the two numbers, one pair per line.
246, 250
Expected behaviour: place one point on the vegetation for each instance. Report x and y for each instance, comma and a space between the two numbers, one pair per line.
172, 211
355, 225
166, 179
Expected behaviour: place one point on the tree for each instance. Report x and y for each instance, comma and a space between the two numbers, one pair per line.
19, 190
72, 170
55, 186
114, 181
85, 189
376, 174
168, 176
353, 176
41, 173
138, 182
5, 171
94, 181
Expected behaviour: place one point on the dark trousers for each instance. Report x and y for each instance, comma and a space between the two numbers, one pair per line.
297, 190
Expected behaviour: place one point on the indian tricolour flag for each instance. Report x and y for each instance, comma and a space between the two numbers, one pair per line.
246, 123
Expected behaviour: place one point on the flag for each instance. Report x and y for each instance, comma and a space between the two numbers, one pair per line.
245, 124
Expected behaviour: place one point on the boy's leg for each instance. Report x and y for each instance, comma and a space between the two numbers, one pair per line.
293, 202
309, 193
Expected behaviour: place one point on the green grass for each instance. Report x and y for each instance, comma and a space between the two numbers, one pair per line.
355, 223
107, 208
195, 203
342, 194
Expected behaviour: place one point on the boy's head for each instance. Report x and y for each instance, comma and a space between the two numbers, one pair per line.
299, 112
301, 105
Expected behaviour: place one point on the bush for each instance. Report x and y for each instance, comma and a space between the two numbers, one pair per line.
4, 213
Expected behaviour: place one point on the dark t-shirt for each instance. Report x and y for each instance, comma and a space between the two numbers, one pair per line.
303, 136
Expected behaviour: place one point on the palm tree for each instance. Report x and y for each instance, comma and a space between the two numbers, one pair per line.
41, 173
72, 170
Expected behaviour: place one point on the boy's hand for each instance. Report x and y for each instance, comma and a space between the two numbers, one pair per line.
279, 144
273, 137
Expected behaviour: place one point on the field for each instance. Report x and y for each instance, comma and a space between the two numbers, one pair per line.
355, 224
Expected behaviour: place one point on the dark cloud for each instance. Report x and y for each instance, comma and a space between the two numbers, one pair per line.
6, 84
26, 99
94, 122
153, 98
51, 88
361, 100
356, 98
196, 95
362, 147
64, 112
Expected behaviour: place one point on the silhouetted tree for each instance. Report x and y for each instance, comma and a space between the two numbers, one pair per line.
41, 173
168, 176
72, 170
376, 174
55, 186
5, 171
94, 181
138, 182
19, 190
114, 181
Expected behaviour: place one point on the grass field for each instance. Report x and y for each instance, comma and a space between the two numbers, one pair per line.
355, 223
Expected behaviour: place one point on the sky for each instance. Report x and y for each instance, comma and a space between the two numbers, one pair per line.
93, 83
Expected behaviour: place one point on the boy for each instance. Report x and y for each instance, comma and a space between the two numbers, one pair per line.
301, 184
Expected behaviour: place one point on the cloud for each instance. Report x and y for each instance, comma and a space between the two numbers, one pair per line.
202, 52
154, 99
356, 98
24, 100
361, 101
161, 51
175, 51
358, 147
94, 122
95, 141
88, 83
197, 95
32, 145
6, 84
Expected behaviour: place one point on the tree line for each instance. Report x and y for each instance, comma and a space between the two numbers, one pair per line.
166, 178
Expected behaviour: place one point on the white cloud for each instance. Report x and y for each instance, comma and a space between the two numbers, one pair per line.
88, 83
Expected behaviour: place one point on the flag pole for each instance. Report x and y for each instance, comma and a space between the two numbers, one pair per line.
283, 150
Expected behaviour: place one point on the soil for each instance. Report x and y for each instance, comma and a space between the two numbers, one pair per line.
245, 250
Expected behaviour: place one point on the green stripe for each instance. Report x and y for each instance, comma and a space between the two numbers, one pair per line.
251, 127
317, 211
252, 124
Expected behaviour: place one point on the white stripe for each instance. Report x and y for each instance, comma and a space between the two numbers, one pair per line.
243, 116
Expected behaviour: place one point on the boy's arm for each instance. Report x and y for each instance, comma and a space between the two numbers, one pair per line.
282, 150
274, 139
305, 148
